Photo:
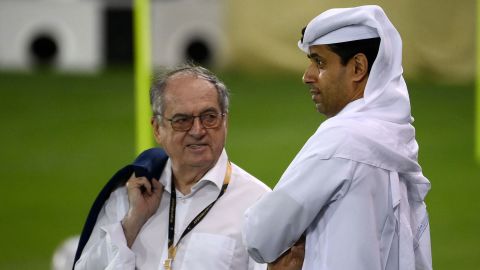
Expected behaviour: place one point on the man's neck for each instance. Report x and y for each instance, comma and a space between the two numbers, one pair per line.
185, 179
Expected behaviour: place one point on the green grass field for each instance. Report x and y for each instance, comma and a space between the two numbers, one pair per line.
62, 137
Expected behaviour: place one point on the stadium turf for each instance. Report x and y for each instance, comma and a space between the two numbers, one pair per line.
62, 136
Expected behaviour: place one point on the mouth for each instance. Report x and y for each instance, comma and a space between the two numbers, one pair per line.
314, 91
315, 94
195, 146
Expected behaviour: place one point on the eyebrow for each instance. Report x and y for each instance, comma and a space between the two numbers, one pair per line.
316, 56
207, 110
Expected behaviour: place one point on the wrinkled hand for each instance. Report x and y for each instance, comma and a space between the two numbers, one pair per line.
291, 259
143, 198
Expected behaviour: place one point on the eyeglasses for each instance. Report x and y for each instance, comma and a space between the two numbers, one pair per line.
185, 122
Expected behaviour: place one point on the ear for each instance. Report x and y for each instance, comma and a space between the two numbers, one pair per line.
359, 67
156, 130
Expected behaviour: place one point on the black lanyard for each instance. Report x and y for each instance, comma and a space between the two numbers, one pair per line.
171, 217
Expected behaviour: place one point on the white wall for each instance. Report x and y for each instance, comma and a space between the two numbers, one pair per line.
176, 23
76, 25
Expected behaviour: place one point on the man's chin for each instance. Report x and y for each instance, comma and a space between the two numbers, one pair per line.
201, 162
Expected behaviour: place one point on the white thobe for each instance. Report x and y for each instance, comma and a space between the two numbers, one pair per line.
345, 208
215, 243
356, 188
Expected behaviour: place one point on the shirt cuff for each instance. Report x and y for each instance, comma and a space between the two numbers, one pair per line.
119, 254
266, 240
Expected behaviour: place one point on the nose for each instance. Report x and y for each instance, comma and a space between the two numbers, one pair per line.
197, 128
310, 74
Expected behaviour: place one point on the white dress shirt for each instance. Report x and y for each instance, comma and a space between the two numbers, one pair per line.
215, 243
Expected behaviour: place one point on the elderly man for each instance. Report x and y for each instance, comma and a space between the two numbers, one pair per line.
190, 218
355, 189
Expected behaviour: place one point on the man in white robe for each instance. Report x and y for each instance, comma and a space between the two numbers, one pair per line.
355, 189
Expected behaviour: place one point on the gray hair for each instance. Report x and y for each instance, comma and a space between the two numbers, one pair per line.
157, 91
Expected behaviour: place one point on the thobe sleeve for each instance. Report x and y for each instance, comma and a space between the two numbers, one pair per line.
107, 247
253, 265
280, 217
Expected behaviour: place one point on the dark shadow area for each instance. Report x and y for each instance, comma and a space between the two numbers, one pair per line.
118, 44
43, 51
198, 51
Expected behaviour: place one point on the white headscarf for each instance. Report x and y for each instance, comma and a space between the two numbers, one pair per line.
382, 117
375, 129
386, 95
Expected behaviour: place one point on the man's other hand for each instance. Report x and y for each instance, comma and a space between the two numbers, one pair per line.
291, 259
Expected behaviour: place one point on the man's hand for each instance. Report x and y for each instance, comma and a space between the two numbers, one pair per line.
144, 198
291, 259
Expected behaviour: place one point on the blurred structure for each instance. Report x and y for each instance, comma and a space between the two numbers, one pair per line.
85, 35
438, 36
60, 34
188, 29
64, 254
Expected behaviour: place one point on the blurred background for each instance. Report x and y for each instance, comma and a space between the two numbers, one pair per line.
67, 108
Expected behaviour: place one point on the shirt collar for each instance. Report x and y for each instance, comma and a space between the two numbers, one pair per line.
215, 175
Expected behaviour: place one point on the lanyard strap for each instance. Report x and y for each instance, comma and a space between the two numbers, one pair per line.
197, 219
